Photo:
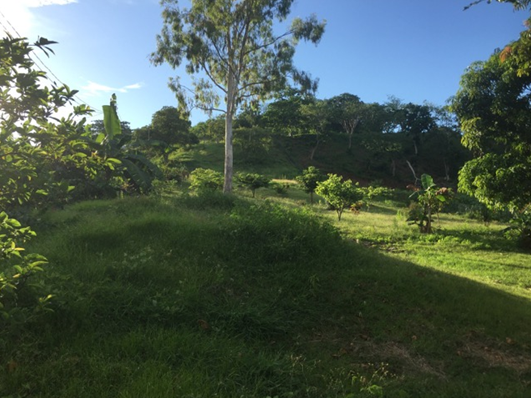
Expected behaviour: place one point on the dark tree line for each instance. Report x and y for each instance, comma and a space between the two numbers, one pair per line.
395, 134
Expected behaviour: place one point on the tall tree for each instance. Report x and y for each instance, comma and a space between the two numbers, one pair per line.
347, 109
231, 48
317, 116
285, 115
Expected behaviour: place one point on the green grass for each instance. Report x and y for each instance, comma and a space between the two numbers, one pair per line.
233, 297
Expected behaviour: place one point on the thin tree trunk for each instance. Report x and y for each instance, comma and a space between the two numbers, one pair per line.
413, 171
315, 147
350, 127
229, 155
229, 150
446, 171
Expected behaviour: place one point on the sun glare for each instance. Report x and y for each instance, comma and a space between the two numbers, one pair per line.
16, 18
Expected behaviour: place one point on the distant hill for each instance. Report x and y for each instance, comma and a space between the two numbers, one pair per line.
371, 158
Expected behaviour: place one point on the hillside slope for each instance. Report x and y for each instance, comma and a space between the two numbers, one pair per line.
217, 296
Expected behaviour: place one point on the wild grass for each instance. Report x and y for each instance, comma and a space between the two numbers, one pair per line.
203, 296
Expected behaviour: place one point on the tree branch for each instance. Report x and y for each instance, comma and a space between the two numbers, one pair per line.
211, 77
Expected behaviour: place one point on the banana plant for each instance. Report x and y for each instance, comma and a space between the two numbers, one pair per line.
430, 199
116, 147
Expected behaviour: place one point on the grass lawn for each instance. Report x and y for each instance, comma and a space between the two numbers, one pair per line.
232, 297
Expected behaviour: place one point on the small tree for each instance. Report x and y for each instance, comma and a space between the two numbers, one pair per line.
309, 180
338, 193
431, 199
252, 181
205, 180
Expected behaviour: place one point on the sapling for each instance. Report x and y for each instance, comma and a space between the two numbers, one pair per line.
339, 194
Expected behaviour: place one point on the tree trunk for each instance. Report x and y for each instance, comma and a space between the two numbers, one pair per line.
446, 171
350, 127
315, 147
229, 155
229, 150
413, 171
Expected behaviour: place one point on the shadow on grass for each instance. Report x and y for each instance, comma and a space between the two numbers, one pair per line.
482, 239
263, 289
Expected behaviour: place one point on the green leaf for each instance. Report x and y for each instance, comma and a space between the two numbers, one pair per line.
111, 122
427, 181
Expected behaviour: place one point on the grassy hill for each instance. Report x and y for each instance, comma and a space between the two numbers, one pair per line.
187, 296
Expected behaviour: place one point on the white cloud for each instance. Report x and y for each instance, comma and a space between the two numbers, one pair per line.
93, 89
42, 3
133, 86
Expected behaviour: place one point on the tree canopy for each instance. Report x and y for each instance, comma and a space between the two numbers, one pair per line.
493, 105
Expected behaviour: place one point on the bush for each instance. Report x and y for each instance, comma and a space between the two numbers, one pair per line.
205, 180
431, 199
279, 188
309, 180
339, 194
252, 181
16, 292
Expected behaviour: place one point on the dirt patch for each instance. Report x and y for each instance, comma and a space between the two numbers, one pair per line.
364, 349
397, 353
496, 357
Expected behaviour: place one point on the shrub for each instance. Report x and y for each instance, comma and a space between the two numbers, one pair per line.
279, 188
431, 199
339, 194
252, 181
309, 180
205, 180
371, 192
16, 293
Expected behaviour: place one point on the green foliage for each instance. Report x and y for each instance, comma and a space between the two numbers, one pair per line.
115, 146
174, 171
494, 110
252, 146
43, 157
17, 292
280, 188
371, 192
169, 128
252, 181
309, 180
339, 194
205, 180
521, 225
430, 200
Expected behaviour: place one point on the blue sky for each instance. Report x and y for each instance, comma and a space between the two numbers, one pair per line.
415, 50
